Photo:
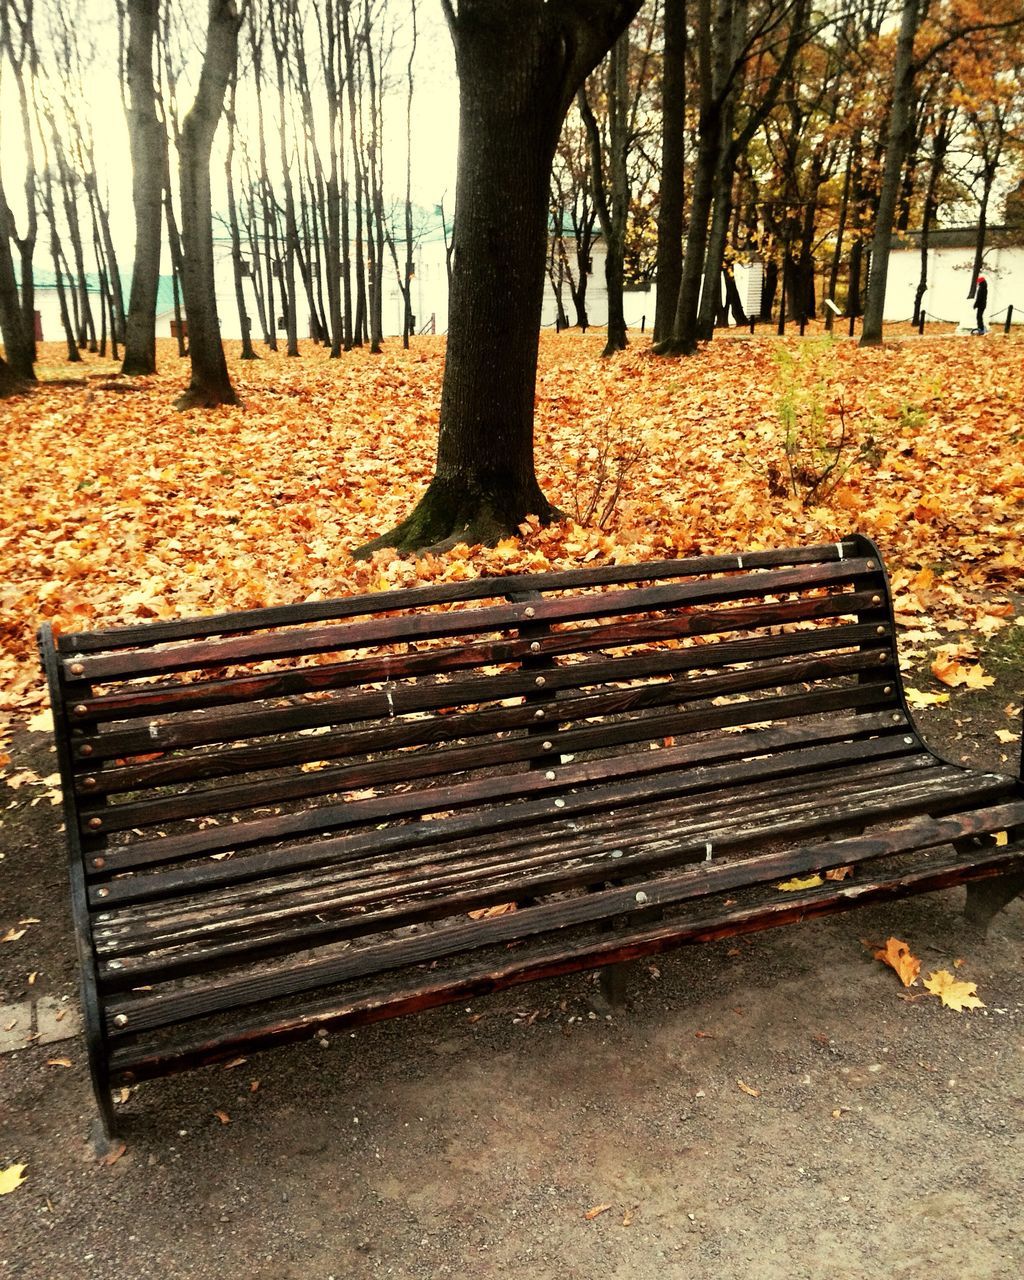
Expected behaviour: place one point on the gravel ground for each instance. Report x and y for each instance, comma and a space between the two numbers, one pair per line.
884, 1138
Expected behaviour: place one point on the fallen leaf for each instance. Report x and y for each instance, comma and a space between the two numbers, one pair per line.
1006, 736
753, 1093
235, 1062
59, 1062
12, 935
114, 1154
489, 913
627, 1218
704, 1035
11, 1177
897, 956
919, 700
596, 1211
41, 722
839, 873
1001, 838
223, 1117
953, 994
808, 882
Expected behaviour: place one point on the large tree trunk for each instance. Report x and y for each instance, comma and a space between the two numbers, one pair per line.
901, 126
673, 148
10, 383
148, 143
519, 66
17, 337
210, 383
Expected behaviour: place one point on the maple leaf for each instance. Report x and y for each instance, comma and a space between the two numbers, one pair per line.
897, 956
953, 994
919, 700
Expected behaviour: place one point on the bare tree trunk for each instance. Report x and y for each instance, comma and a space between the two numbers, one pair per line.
210, 384
518, 72
901, 122
673, 151
148, 144
236, 240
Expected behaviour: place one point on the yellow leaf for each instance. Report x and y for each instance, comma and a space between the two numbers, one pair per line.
808, 882
10, 1178
596, 1211
1006, 736
918, 699
953, 994
752, 1093
12, 935
977, 679
1001, 838
58, 1062
897, 956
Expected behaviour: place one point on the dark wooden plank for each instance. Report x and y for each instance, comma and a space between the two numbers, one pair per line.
310, 856
369, 910
137, 1059
151, 633
461, 622
437, 798
211, 800
147, 1011
224, 762
177, 695
726, 790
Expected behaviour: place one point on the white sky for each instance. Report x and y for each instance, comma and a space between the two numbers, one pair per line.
434, 123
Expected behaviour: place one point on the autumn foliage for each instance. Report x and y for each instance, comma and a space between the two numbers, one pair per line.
119, 509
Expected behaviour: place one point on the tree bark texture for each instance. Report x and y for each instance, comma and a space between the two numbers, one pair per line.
519, 63
673, 155
210, 383
147, 143
901, 126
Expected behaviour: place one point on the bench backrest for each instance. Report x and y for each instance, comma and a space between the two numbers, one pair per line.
193, 739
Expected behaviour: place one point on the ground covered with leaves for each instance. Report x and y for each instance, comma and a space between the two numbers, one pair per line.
119, 508
783, 1106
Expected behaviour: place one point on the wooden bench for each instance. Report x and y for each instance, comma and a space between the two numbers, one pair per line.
302, 818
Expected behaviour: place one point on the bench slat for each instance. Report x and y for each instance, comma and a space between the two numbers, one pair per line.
462, 622
448, 885
146, 1012
153, 633
134, 1060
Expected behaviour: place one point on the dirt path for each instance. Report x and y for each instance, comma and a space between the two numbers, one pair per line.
885, 1139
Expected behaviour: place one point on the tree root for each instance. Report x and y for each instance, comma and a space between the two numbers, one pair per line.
451, 512
205, 398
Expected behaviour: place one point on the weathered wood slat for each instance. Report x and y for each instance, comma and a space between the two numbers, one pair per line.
728, 790
169, 697
461, 622
145, 1012
375, 909
645, 833
139, 1059
153, 633
490, 790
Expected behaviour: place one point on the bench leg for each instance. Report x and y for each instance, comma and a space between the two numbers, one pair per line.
613, 985
986, 898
